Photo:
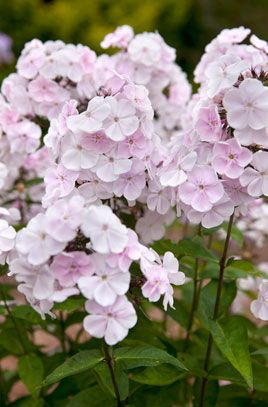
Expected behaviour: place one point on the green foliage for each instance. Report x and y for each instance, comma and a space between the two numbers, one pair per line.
95, 395
234, 269
78, 363
146, 356
230, 335
31, 370
70, 305
105, 381
208, 298
27, 313
158, 376
193, 248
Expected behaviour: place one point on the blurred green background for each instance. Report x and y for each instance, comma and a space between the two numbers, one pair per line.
185, 24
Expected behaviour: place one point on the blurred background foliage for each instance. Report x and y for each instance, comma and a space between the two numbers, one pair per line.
188, 25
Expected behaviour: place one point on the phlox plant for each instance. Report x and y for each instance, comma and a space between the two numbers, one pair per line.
133, 215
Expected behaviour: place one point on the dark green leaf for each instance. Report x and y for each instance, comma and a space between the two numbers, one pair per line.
92, 397
208, 297
164, 245
158, 376
70, 305
9, 340
30, 369
185, 247
180, 313
105, 381
168, 396
146, 356
230, 335
76, 364
195, 248
260, 376
242, 269
26, 312
235, 269
225, 371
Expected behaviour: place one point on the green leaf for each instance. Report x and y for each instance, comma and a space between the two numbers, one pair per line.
194, 364
225, 371
168, 396
208, 298
230, 335
105, 381
70, 305
164, 245
234, 269
31, 371
195, 248
28, 314
185, 247
146, 356
78, 363
180, 313
95, 395
242, 269
260, 376
158, 375
10, 341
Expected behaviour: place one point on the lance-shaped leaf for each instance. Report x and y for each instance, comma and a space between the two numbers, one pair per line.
230, 335
78, 363
31, 371
146, 356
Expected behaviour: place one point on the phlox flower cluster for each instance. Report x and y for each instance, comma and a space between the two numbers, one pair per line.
98, 124
118, 137
74, 248
227, 130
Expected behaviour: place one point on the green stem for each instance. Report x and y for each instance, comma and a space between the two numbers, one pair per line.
110, 365
216, 307
195, 298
